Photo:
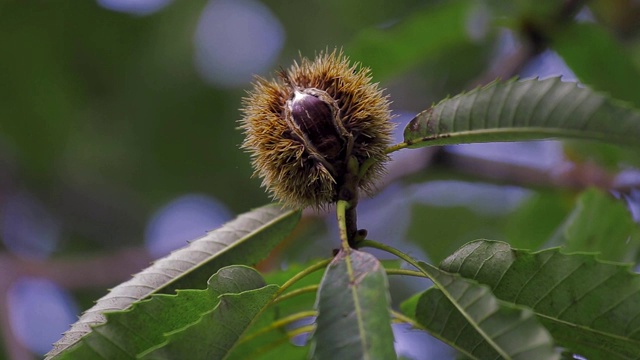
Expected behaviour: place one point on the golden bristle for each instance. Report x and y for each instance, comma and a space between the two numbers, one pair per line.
291, 171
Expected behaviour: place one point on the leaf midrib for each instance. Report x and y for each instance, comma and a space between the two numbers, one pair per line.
462, 310
356, 304
526, 130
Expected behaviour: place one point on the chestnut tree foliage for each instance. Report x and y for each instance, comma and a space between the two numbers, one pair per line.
488, 299
560, 283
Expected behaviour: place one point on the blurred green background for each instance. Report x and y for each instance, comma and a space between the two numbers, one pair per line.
118, 137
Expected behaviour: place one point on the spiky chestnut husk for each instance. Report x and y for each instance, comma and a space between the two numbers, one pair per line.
302, 127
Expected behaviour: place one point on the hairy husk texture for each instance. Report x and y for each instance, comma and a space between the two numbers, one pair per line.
286, 166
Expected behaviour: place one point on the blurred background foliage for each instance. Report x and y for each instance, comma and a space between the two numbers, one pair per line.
118, 137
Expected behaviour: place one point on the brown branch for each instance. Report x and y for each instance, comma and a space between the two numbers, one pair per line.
506, 67
535, 41
98, 271
575, 176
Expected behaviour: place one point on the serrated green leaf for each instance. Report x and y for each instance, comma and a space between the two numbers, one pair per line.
276, 343
467, 316
398, 42
354, 319
601, 224
525, 110
218, 331
592, 308
127, 333
245, 240
587, 48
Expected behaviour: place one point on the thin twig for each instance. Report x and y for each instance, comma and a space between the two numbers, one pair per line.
279, 324
396, 147
296, 292
403, 272
394, 251
405, 319
315, 267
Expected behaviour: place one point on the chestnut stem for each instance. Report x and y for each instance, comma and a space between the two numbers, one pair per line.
341, 211
348, 195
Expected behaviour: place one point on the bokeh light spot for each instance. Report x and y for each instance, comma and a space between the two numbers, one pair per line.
544, 155
27, 227
136, 7
39, 312
414, 344
185, 218
236, 39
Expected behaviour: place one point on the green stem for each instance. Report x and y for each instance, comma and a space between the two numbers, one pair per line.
280, 323
341, 211
296, 292
290, 334
405, 319
365, 167
396, 147
301, 330
315, 267
403, 271
394, 251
